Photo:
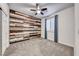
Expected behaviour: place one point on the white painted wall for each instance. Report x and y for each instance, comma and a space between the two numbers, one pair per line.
5, 26
76, 52
0, 33
65, 26
43, 28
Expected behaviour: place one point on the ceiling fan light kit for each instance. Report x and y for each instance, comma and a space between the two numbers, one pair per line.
38, 11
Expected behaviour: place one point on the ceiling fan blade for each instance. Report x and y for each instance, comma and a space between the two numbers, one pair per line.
32, 9
35, 13
43, 9
42, 13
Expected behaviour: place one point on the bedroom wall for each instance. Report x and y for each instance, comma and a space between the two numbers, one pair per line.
43, 28
65, 26
0, 32
76, 50
5, 26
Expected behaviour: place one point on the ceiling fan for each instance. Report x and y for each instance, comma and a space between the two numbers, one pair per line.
39, 10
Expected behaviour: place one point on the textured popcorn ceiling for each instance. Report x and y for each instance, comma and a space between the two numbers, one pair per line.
52, 8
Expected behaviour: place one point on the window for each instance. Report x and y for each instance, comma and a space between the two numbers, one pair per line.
52, 20
48, 25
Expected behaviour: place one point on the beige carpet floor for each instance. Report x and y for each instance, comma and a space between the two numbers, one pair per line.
38, 47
